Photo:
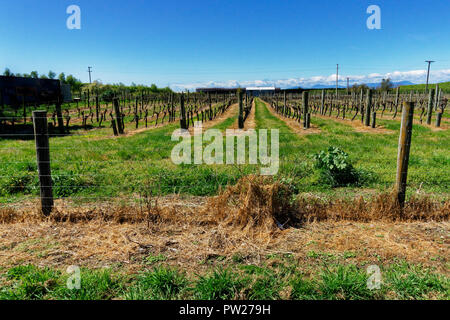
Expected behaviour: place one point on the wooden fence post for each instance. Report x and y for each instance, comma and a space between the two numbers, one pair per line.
210, 107
438, 119
404, 145
322, 103
183, 124
97, 107
59, 116
113, 124
368, 108
374, 119
436, 97
430, 106
118, 115
43, 160
241, 110
305, 109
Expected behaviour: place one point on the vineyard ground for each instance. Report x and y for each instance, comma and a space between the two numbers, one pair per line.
119, 253
89, 167
103, 224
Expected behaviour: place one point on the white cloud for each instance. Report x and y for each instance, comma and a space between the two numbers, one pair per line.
414, 76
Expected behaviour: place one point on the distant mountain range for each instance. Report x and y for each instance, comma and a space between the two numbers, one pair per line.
370, 85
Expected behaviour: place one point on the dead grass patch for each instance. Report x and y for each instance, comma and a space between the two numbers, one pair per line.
254, 219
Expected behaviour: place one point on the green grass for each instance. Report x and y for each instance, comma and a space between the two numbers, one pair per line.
445, 86
92, 167
162, 283
286, 280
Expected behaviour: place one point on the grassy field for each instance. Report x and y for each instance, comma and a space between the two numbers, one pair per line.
93, 165
445, 86
280, 279
179, 243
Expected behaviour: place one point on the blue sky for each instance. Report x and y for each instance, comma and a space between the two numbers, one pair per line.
191, 43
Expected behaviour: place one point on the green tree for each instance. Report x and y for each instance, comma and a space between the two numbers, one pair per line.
51, 74
386, 85
34, 74
75, 84
8, 73
62, 77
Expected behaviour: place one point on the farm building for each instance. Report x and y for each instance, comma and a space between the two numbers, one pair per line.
218, 90
18, 91
256, 91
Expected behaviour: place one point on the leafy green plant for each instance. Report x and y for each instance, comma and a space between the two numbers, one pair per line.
335, 167
150, 259
69, 183
22, 182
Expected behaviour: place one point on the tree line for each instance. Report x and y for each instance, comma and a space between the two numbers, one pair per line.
77, 85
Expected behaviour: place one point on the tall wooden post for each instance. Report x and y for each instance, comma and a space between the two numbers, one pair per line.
397, 94
438, 119
210, 106
436, 97
59, 116
404, 145
183, 123
97, 107
430, 105
43, 160
322, 104
241, 110
305, 109
88, 100
118, 115
368, 107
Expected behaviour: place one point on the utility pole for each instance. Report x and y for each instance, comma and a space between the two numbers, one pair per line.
428, 73
347, 85
337, 77
89, 70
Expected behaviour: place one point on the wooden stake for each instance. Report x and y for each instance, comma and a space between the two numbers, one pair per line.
183, 124
368, 107
118, 115
404, 145
241, 110
43, 160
